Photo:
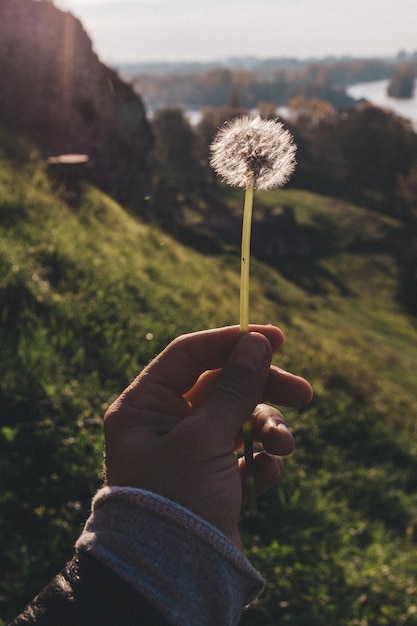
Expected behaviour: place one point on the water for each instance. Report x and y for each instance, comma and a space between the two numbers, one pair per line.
376, 93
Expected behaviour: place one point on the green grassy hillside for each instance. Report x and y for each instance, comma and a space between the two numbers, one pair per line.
89, 293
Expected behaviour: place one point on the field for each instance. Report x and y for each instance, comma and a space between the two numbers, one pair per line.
89, 293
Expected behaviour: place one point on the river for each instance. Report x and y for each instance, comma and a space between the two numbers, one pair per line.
376, 93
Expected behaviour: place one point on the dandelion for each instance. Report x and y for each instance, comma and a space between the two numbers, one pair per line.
252, 153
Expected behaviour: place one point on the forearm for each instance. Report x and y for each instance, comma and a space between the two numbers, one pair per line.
154, 552
184, 566
88, 593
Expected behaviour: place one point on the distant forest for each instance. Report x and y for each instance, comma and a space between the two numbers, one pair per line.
357, 152
346, 149
246, 82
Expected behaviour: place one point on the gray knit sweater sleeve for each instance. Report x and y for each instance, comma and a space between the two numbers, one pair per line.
184, 566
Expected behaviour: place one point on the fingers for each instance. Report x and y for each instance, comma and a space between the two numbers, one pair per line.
287, 389
268, 470
238, 387
184, 360
282, 388
270, 429
180, 365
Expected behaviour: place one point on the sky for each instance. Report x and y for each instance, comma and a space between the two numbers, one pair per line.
191, 30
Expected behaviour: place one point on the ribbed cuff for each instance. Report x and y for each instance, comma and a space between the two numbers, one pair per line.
182, 564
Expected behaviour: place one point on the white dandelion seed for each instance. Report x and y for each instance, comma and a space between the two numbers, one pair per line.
254, 151
254, 154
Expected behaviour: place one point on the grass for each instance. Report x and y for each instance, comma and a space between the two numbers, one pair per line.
89, 293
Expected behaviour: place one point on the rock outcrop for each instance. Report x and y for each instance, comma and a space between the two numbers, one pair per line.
55, 89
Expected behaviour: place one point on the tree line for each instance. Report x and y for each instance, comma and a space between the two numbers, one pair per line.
362, 154
269, 80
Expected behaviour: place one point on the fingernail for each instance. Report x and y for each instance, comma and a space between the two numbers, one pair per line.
250, 352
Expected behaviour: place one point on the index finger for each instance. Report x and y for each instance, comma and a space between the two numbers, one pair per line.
184, 360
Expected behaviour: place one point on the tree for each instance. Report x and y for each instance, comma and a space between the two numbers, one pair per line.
173, 139
174, 167
267, 110
314, 110
377, 146
401, 84
407, 198
212, 118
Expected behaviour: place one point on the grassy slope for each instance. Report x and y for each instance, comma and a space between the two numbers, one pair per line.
89, 294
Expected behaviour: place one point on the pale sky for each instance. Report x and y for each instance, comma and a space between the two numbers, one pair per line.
194, 30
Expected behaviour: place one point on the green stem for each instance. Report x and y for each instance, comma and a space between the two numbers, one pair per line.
244, 327
245, 260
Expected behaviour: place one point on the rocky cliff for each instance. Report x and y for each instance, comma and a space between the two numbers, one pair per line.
54, 88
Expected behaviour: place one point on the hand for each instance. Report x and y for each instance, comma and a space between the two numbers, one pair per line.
174, 431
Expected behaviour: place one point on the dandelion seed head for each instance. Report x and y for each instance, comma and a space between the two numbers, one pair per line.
253, 150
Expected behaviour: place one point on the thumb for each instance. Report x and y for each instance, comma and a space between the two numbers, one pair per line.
239, 387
